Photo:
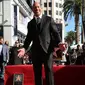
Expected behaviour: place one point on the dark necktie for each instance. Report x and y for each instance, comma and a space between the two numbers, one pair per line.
38, 20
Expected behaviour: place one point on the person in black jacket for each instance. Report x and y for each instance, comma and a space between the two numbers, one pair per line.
14, 59
43, 32
81, 58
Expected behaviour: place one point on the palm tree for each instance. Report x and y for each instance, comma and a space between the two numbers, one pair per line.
73, 8
70, 37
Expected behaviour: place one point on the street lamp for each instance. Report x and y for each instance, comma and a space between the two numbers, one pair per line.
83, 17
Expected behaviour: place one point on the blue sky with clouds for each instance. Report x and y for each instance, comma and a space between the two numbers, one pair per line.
71, 24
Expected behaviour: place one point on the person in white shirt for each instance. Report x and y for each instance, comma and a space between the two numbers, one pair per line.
4, 56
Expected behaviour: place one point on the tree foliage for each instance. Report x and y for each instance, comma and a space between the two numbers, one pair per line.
73, 8
70, 37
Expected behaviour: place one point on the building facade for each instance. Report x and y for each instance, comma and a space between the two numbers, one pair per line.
14, 16
54, 8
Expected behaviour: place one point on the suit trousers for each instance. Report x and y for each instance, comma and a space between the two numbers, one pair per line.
39, 58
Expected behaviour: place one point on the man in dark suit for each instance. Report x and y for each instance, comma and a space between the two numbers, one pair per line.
4, 56
45, 37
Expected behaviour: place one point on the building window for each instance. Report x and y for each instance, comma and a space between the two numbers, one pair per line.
0, 7
1, 31
56, 4
60, 5
22, 18
60, 20
15, 20
50, 12
45, 12
59, 27
56, 19
45, 4
50, 4
21, 37
60, 13
56, 12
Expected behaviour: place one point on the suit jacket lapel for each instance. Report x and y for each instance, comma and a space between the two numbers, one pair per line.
42, 22
34, 24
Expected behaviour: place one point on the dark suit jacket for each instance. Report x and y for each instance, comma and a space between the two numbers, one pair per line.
14, 59
48, 36
80, 59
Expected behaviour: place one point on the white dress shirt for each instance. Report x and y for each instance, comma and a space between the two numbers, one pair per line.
0, 49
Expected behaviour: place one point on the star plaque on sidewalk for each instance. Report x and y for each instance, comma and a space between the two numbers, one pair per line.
18, 79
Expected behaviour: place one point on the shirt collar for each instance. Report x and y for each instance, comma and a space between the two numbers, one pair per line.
38, 16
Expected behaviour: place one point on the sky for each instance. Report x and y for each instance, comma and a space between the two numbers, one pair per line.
71, 24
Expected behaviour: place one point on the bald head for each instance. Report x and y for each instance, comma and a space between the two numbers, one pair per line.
36, 9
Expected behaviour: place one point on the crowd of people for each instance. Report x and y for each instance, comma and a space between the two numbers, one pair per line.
8, 55
76, 56
4, 56
72, 57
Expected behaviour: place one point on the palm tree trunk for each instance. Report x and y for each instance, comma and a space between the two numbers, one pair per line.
77, 28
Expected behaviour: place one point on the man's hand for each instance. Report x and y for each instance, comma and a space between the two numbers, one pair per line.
21, 52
